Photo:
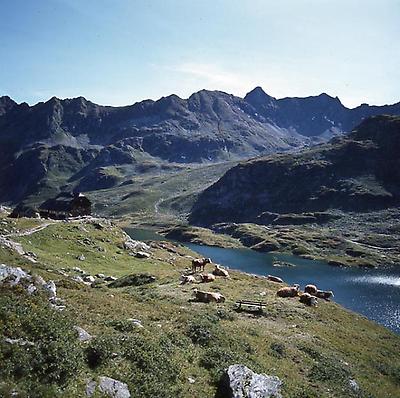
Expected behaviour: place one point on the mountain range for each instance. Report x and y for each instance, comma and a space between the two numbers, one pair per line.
76, 144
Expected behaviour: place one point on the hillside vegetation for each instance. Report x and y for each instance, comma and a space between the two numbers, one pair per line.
183, 346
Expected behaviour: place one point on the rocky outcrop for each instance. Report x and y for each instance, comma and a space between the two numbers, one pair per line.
239, 381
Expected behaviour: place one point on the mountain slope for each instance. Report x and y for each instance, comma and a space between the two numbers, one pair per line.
357, 172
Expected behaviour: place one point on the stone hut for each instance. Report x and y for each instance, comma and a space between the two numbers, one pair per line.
66, 205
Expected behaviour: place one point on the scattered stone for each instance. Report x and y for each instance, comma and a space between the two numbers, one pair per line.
20, 342
51, 289
78, 279
191, 380
108, 386
354, 385
102, 276
79, 270
239, 381
89, 279
110, 278
81, 257
135, 322
142, 255
31, 288
83, 335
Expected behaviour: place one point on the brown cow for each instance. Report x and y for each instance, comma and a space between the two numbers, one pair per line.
205, 278
311, 289
274, 279
289, 291
308, 299
200, 263
207, 297
219, 271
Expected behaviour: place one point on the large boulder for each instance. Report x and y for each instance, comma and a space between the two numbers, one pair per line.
13, 275
239, 381
135, 245
108, 387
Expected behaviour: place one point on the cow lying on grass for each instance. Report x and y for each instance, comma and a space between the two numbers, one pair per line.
219, 271
308, 299
208, 297
323, 294
292, 291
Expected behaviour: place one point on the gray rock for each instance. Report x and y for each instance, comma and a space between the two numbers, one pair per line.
78, 279
110, 278
135, 245
354, 385
102, 276
135, 322
31, 288
109, 387
51, 289
77, 269
142, 255
91, 388
20, 342
241, 382
13, 275
89, 279
81, 257
83, 335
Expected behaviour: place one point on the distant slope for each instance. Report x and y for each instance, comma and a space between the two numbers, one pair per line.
76, 143
355, 172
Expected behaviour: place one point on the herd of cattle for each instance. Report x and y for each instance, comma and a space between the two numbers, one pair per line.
309, 297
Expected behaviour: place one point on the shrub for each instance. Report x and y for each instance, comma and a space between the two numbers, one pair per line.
100, 350
277, 350
49, 352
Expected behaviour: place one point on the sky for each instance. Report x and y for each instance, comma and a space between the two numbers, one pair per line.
117, 52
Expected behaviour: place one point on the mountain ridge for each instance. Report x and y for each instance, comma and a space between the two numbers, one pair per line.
207, 127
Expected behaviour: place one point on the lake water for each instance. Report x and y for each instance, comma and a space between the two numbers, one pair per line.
374, 293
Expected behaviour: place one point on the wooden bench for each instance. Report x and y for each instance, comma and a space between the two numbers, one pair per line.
250, 303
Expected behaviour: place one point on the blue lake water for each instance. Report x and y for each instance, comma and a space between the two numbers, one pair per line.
374, 293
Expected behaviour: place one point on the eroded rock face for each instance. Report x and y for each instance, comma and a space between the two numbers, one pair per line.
241, 382
109, 387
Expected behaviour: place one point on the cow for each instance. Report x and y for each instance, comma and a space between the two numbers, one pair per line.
274, 279
219, 271
308, 299
311, 289
200, 263
208, 297
292, 291
326, 295
187, 279
205, 278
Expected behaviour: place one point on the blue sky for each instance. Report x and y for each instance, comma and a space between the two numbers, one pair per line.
117, 52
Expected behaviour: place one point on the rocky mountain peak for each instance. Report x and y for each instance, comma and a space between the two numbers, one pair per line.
6, 103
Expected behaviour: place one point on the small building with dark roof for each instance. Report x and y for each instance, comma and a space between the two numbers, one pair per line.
65, 205
24, 210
